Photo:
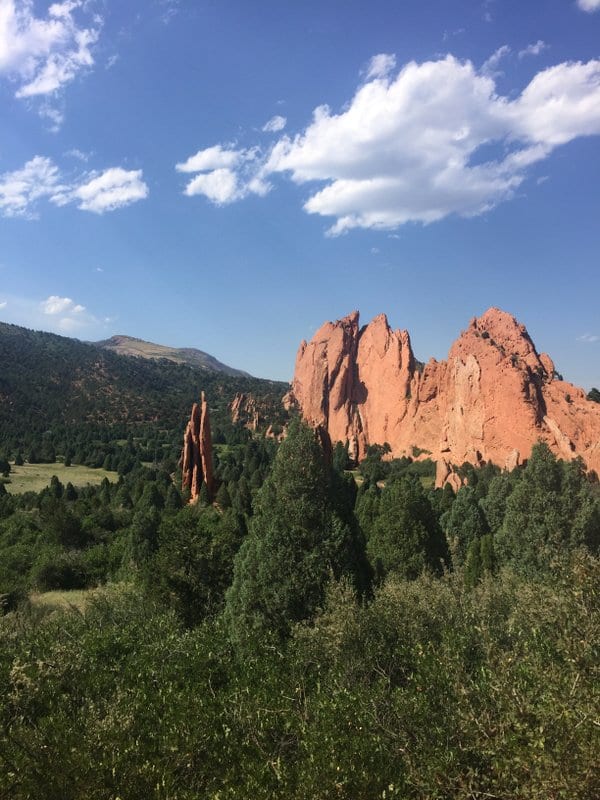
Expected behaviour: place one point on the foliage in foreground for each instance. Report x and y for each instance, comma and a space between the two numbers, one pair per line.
428, 691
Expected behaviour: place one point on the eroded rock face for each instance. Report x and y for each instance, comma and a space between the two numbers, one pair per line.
492, 400
244, 409
197, 463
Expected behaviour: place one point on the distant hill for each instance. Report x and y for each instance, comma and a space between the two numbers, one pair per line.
55, 385
130, 346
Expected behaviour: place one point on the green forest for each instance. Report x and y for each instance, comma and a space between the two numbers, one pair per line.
314, 633
311, 631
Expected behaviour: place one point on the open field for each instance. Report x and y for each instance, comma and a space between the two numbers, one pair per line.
78, 598
35, 477
74, 598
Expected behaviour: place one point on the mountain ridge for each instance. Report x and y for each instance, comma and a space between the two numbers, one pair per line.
123, 344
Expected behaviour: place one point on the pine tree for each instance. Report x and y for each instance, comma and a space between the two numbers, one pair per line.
296, 543
464, 523
406, 537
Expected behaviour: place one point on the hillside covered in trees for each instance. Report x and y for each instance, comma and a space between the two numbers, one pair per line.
304, 636
62, 396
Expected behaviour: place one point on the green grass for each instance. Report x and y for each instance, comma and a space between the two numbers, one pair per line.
76, 598
35, 477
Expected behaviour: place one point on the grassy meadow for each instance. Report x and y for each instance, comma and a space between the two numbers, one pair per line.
64, 599
35, 477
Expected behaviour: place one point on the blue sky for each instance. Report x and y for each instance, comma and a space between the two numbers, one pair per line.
228, 175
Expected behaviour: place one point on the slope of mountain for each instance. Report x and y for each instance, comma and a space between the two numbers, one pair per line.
490, 401
48, 381
130, 346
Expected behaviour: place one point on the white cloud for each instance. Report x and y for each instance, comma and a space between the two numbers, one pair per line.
3, 304
226, 174
380, 65
71, 316
55, 313
589, 338
534, 49
21, 189
216, 157
220, 186
78, 154
41, 55
589, 5
114, 188
56, 305
490, 67
275, 124
408, 146
39, 178
53, 115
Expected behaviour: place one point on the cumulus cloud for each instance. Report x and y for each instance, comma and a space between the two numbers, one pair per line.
217, 157
275, 124
225, 174
220, 185
39, 178
534, 49
589, 5
42, 54
56, 305
56, 313
409, 146
68, 315
114, 188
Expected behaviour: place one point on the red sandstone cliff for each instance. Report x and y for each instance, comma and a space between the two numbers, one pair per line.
490, 401
197, 464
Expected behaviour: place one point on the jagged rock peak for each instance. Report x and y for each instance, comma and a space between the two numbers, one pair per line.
492, 399
196, 458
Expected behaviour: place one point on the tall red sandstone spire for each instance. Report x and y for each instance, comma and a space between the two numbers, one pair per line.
197, 464
490, 401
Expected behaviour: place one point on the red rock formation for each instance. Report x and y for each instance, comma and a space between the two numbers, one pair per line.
197, 464
490, 401
244, 409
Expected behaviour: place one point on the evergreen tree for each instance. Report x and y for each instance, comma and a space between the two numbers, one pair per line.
194, 563
143, 535
367, 506
464, 523
551, 510
70, 492
295, 543
151, 497
223, 499
173, 500
406, 537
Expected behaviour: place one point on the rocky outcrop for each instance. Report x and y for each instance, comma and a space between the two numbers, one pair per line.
491, 400
244, 410
197, 463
